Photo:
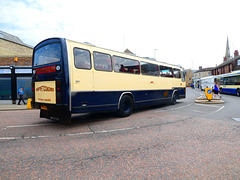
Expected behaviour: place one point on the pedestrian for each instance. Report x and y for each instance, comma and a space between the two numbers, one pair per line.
216, 90
192, 85
20, 92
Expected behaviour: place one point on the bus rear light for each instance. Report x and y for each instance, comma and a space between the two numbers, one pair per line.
44, 70
33, 87
58, 93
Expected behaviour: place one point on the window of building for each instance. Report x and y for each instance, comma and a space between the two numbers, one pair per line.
166, 71
149, 69
82, 58
125, 65
102, 62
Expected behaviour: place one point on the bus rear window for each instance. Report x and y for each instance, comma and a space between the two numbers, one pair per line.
50, 53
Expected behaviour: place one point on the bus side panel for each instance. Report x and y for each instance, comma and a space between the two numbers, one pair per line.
229, 90
94, 101
105, 101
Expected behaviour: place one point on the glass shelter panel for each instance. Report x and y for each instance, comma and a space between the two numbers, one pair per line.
5, 84
25, 83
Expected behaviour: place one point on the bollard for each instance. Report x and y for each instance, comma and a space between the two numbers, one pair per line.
29, 104
208, 93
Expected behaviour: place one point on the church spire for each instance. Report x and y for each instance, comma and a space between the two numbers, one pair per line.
227, 55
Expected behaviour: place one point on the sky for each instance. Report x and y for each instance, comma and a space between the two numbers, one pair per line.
190, 33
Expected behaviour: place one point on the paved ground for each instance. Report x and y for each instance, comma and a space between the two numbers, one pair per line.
165, 142
6, 105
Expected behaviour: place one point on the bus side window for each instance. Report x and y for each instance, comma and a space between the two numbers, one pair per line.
125, 65
166, 71
149, 69
82, 58
176, 73
102, 61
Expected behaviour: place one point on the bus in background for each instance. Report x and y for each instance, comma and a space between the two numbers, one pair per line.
230, 83
71, 77
207, 82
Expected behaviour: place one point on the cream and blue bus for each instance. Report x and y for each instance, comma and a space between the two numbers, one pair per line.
71, 77
230, 83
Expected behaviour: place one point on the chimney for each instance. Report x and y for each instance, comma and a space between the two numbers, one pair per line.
200, 67
236, 53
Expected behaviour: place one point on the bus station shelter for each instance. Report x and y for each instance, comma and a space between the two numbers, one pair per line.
12, 78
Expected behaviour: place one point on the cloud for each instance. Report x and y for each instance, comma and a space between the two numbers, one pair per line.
183, 32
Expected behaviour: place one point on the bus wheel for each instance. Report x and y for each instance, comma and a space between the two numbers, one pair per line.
238, 92
174, 99
126, 106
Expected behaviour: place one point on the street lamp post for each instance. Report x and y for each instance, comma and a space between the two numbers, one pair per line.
13, 85
155, 53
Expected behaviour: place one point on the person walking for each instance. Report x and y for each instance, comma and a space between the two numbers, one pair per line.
20, 92
216, 90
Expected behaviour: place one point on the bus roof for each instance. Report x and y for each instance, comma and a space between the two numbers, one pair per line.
234, 73
127, 54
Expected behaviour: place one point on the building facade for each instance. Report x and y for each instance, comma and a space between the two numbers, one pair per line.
202, 72
189, 77
15, 66
229, 63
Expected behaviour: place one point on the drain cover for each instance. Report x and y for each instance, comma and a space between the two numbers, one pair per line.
236, 119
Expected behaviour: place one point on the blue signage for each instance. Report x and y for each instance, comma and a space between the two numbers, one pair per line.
209, 91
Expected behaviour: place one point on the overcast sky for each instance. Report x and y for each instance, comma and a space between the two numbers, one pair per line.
189, 33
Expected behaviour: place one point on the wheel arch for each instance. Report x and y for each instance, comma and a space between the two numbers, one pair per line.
123, 94
175, 91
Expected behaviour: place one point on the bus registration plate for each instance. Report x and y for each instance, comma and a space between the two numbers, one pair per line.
44, 107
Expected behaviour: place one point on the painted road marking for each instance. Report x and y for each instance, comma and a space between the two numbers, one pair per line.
162, 110
236, 119
207, 105
74, 134
216, 110
27, 125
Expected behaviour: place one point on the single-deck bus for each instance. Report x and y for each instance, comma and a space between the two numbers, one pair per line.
71, 77
207, 82
230, 83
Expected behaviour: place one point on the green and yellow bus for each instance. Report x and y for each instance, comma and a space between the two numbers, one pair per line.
71, 77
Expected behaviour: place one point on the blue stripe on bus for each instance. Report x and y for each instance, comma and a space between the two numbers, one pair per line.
108, 100
229, 90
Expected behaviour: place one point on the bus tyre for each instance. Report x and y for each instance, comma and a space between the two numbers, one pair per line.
174, 99
238, 92
126, 106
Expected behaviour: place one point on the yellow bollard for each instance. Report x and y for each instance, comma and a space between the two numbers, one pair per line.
208, 93
29, 104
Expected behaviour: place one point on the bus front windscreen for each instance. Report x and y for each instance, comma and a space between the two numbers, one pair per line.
47, 54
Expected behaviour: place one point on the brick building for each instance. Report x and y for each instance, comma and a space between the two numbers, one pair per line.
13, 51
15, 66
229, 63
